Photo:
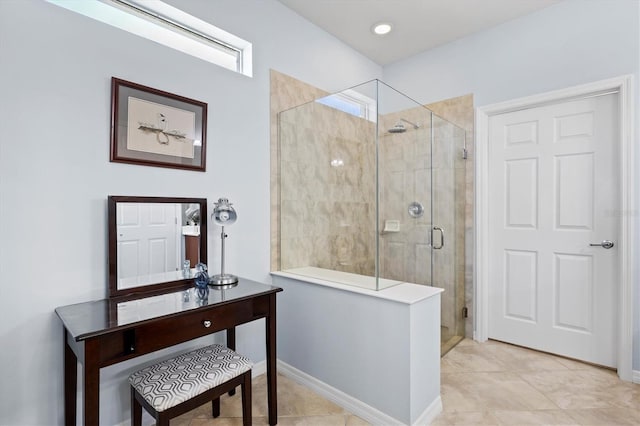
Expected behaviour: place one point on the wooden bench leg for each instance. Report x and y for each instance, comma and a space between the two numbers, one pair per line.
136, 409
215, 407
162, 420
245, 389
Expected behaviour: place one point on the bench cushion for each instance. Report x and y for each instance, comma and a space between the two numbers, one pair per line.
171, 382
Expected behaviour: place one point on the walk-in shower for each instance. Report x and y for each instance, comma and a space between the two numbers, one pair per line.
372, 194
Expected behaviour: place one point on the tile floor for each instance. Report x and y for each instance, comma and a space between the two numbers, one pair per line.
499, 384
482, 384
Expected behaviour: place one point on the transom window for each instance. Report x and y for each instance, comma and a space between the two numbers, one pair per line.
171, 27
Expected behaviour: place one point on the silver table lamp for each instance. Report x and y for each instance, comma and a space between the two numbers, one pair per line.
223, 214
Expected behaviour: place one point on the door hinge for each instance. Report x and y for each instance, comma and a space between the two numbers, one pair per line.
465, 312
464, 153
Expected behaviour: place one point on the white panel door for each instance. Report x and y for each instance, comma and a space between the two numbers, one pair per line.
147, 239
553, 190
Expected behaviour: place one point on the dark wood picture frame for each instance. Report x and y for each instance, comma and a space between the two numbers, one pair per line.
178, 284
166, 130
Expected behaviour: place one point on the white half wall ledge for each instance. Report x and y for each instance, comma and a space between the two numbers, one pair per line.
395, 291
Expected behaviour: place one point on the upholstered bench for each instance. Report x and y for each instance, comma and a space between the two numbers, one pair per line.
175, 386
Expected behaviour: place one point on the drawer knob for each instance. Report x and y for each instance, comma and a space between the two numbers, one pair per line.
206, 323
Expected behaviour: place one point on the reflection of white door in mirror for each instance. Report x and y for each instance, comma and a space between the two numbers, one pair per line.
148, 241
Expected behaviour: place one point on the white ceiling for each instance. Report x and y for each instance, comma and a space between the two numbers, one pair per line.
418, 25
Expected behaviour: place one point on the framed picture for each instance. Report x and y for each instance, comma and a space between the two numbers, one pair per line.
151, 127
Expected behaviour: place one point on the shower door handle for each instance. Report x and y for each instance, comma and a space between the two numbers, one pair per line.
437, 228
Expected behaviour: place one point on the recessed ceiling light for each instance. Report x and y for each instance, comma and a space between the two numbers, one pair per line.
381, 28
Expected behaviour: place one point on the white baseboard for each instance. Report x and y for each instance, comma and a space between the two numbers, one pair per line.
635, 376
429, 415
258, 369
351, 404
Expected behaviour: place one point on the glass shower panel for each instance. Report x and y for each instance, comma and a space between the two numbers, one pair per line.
327, 188
448, 209
405, 196
405, 205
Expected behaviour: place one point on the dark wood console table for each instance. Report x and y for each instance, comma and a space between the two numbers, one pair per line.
109, 331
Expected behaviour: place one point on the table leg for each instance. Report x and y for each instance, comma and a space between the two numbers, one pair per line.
91, 383
272, 388
70, 383
231, 338
231, 344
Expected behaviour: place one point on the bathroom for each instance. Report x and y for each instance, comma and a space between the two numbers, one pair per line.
55, 172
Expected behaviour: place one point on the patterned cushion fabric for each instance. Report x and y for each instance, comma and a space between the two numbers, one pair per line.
171, 382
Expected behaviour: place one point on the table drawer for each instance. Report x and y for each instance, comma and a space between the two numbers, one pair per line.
188, 326
172, 330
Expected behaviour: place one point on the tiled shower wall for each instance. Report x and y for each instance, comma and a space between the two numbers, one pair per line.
327, 196
405, 177
286, 93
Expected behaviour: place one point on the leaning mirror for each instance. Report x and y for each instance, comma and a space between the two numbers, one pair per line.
155, 242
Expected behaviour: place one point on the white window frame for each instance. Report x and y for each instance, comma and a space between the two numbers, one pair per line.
171, 27
366, 105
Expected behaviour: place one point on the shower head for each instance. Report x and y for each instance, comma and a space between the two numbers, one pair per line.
398, 128
401, 128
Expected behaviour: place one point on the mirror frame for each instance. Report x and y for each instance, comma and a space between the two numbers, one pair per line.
183, 283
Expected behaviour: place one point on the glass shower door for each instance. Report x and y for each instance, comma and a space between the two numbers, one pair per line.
422, 210
405, 196
448, 231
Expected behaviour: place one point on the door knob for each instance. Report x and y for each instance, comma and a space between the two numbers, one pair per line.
605, 244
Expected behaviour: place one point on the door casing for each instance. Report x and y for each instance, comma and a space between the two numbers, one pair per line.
623, 85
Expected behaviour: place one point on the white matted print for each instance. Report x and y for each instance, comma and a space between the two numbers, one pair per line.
160, 129
151, 127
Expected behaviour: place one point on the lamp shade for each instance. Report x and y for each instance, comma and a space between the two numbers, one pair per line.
223, 213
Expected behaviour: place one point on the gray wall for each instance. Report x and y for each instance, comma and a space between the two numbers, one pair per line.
571, 43
55, 174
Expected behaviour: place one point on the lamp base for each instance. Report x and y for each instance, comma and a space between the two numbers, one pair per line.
222, 279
